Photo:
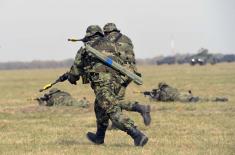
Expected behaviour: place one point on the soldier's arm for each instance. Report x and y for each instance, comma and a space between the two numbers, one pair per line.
45, 97
76, 69
147, 93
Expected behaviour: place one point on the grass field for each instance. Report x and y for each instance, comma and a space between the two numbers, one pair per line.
177, 128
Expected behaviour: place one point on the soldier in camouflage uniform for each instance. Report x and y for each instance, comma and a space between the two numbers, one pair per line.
125, 52
104, 81
123, 43
166, 93
56, 97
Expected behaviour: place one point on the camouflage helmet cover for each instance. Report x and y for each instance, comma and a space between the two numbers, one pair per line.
92, 30
162, 84
109, 27
53, 90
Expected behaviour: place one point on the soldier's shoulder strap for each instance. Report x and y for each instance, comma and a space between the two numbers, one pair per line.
118, 37
95, 43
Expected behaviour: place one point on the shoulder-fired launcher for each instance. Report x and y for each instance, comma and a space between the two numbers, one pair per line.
108, 61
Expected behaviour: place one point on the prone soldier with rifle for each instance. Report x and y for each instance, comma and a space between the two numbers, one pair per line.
56, 97
167, 93
126, 53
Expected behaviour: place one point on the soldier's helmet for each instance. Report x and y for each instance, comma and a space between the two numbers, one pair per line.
54, 90
109, 27
93, 30
162, 84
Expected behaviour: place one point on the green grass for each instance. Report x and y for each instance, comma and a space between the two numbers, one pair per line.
177, 128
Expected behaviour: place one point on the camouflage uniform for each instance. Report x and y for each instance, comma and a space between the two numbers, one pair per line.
167, 93
105, 82
56, 97
125, 52
123, 43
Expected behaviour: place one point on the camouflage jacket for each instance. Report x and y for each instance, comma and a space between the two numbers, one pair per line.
91, 68
167, 93
124, 47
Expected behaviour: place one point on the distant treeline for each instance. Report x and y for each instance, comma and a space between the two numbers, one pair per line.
36, 64
178, 58
187, 58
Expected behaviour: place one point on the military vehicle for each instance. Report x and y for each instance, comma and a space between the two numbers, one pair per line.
203, 57
166, 60
228, 58
178, 58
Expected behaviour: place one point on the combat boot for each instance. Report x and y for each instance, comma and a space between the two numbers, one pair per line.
97, 138
139, 138
144, 110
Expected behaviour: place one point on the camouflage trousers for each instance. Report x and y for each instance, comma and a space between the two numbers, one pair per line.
124, 104
107, 106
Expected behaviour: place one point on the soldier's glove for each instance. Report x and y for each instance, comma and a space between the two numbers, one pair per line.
73, 79
146, 93
63, 77
45, 97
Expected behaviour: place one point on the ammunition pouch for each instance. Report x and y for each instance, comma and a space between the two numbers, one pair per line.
63, 77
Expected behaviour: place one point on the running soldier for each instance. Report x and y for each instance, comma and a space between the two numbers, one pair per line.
104, 81
125, 52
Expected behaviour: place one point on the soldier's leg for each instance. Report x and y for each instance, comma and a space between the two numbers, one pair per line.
213, 99
134, 106
108, 102
125, 124
187, 97
219, 99
102, 121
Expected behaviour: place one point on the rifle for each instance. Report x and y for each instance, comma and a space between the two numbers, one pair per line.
153, 94
45, 97
62, 78
85, 39
146, 93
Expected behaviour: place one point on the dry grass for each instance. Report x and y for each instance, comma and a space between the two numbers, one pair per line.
177, 128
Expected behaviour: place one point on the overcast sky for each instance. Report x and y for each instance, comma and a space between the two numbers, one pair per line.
39, 29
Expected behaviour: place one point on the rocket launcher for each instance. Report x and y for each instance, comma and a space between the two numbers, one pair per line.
108, 61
